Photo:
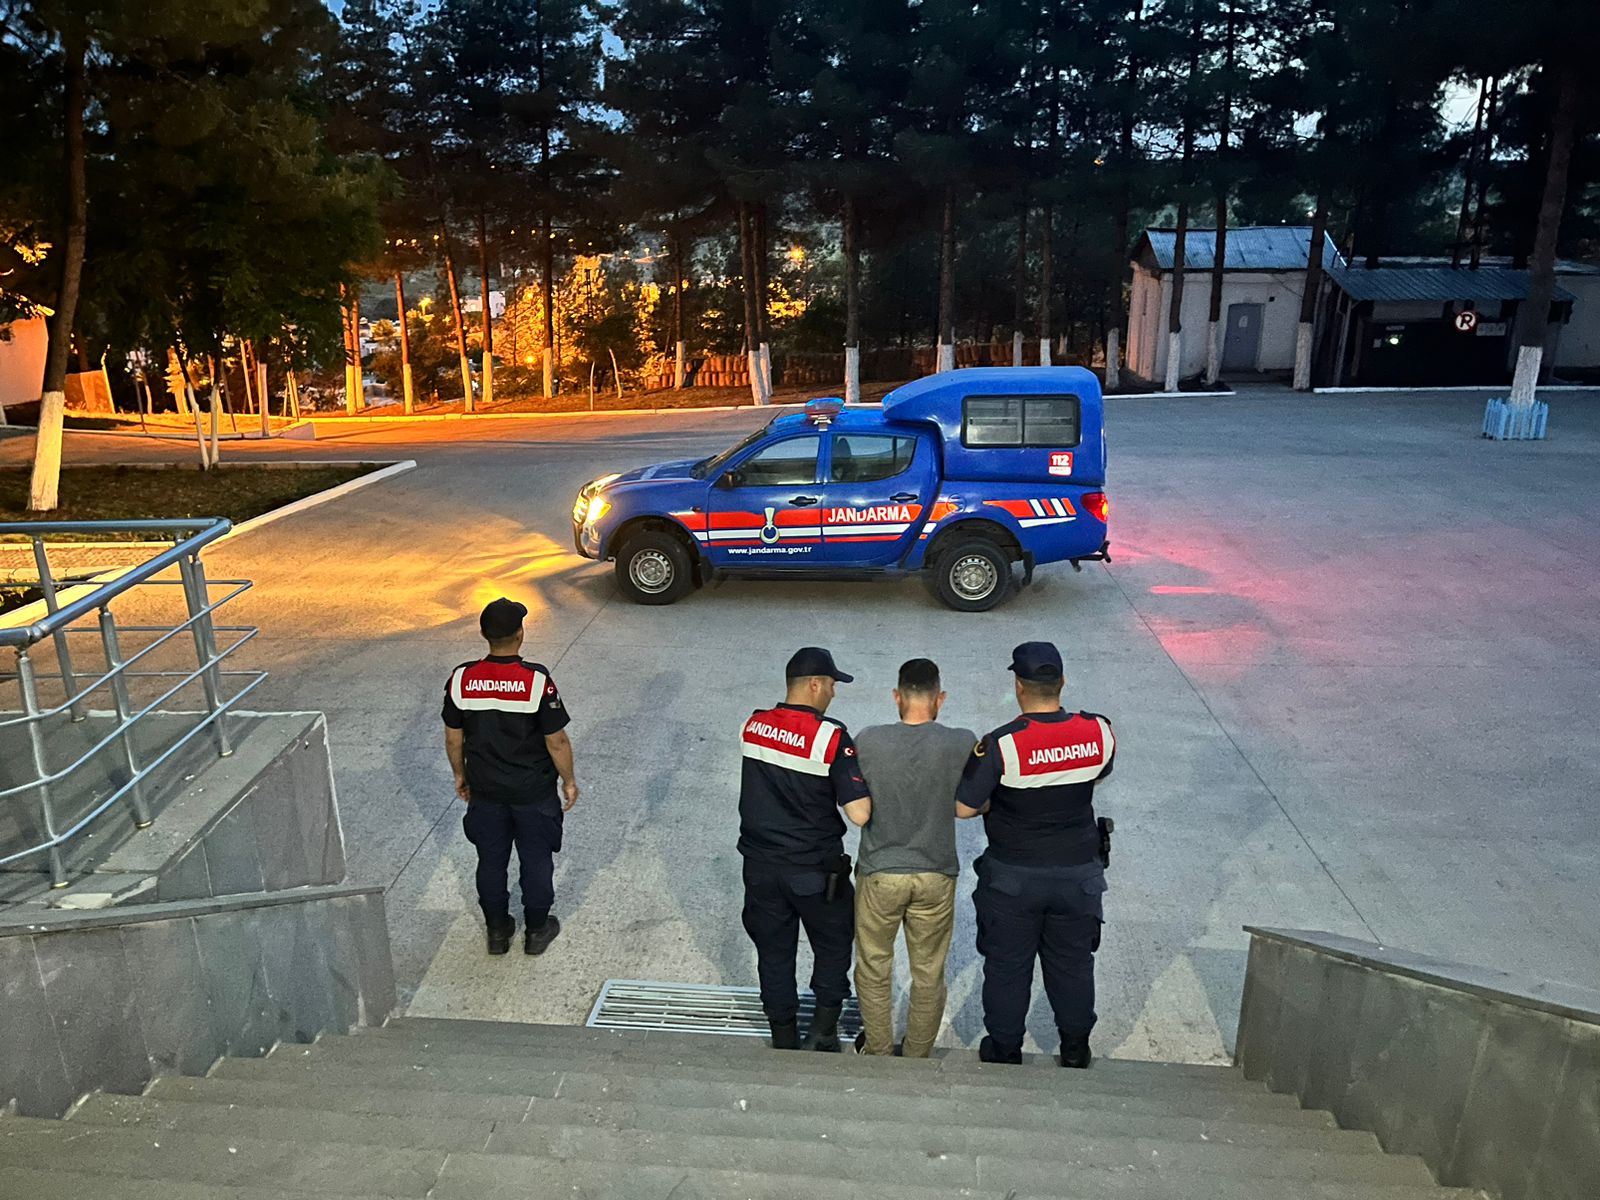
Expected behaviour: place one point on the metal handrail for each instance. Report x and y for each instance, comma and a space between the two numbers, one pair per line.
189, 538
203, 533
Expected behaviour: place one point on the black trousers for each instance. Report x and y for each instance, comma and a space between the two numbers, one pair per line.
777, 901
1049, 913
495, 829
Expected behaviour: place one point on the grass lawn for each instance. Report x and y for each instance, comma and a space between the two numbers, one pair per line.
128, 493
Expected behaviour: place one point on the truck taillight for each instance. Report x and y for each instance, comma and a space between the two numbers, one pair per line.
1097, 505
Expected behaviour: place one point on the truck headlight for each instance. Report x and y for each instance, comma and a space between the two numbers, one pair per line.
598, 507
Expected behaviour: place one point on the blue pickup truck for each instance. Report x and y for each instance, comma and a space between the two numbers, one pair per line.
964, 475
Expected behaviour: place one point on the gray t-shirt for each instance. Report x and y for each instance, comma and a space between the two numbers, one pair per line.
912, 772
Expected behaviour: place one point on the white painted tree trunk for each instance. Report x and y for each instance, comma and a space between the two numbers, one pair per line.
44, 491
469, 402
616, 371
216, 426
1113, 353
852, 374
1174, 361
1525, 379
3, 421
1016, 348
266, 406
488, 379
680, 367
199, 425
292, 385
352, 388
1302, 356
1044, 352
766, 371
1213, 352
408, 388
549, 371
947, 358
753, 362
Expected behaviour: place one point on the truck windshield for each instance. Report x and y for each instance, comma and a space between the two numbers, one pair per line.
708, 467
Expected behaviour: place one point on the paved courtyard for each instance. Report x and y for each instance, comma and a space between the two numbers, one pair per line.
1352, 652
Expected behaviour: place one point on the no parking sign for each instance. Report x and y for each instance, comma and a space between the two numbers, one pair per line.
1466, 321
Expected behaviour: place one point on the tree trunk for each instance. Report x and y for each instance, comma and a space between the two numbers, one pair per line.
455, 311
1175, 314
547, 285
852, 303
1019, 307
1047, 281
345, 297
1220, 251
759, 257
1533, 317
45, 485
407, 387
1483, 175
1305, 331
946, 360
681, 275
1118, 304
1468, 176
752, 332
488, 316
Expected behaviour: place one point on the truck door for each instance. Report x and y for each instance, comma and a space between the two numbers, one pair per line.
879, 485
765, 509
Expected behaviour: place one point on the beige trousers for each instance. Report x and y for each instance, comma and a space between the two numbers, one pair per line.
925, 903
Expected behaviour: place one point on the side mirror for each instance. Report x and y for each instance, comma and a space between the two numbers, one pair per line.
729, 479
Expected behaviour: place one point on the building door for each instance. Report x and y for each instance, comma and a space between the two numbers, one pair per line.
1241, 348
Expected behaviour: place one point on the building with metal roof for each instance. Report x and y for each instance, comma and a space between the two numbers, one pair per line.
1264, 276
1422, 322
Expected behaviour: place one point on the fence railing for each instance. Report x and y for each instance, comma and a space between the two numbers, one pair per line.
134, 732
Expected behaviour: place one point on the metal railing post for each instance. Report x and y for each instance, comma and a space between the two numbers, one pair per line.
205, 644
30, 709
119, 694
47, 584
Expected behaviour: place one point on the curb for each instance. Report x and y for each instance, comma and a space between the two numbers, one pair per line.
1472, 387
289, 431
577, 412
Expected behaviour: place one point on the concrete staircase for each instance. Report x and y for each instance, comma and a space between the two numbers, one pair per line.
468, 1110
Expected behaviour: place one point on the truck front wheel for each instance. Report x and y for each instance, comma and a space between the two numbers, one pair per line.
654, 568
973, 575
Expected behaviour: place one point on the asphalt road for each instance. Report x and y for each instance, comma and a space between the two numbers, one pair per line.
1352, 653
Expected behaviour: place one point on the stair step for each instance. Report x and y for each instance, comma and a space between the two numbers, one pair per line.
995, 1129
592, 1082
561, 1041
54, 1184
491, 1177
945, 1158
458, 1033
889, 1075
1220, 1120
289, 1123
221, 1159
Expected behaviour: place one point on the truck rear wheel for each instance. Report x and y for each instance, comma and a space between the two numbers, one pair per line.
654, 568
973, 575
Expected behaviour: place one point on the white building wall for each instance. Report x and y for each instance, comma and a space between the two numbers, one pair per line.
1278, 294
1580, 337
22, 361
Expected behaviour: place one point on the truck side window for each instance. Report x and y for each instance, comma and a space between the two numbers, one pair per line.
1018, 421
861, 458
791, 461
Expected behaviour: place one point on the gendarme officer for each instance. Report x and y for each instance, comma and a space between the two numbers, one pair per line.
505, 735
1041, 879
799, 771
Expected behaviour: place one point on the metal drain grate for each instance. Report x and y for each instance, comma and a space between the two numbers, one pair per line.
697, 1008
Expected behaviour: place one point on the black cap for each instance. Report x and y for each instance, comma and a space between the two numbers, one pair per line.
814, 660
1038, 662
501, 618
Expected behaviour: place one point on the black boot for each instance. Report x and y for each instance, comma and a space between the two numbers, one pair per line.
785, 1035
500, 936
1075, 1052
823, 1033
537, 939
990, 1053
